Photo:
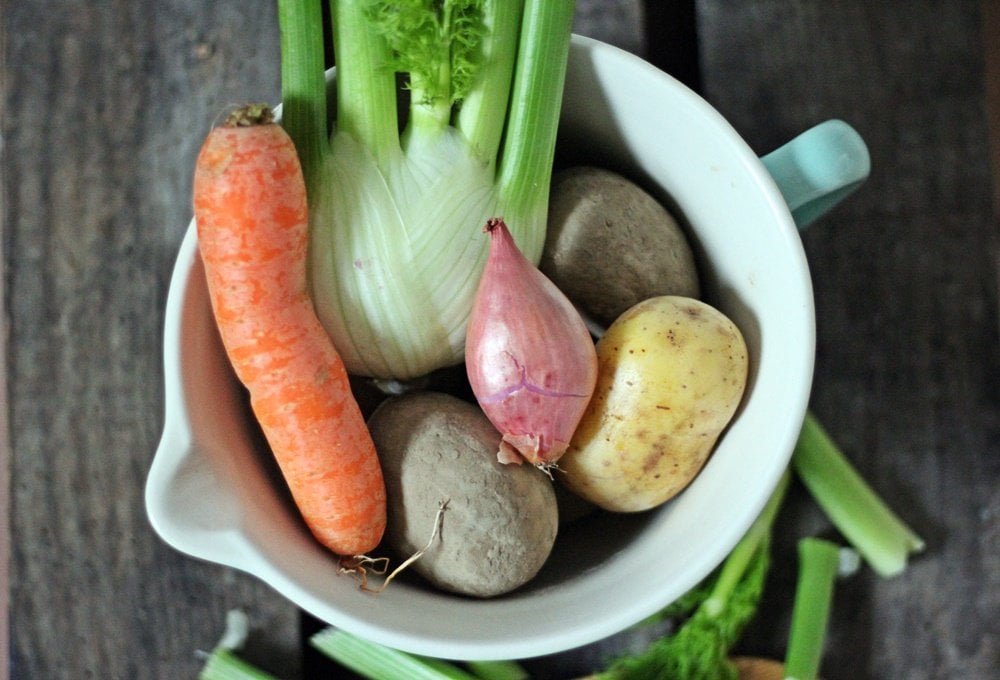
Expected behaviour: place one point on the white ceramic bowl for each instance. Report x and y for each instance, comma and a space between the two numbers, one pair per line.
212, 493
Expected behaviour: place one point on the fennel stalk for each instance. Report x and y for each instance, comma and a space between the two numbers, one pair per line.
397, 200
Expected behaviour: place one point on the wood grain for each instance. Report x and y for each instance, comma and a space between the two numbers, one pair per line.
104, 105
906, 293
5, 452
104, 110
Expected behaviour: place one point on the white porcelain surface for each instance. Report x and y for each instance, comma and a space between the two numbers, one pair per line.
213, 493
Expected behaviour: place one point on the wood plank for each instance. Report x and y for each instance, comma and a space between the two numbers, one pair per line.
103, 107
5, 454
618, 22
671, 30
104, 112
905, 278
991, 60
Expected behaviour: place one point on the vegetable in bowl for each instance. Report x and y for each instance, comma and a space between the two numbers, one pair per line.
252, 218
672, 372
396, 200
618, 108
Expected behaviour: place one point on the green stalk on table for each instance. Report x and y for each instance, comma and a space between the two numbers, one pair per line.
376, 662
820, 561
223, 663
864, 518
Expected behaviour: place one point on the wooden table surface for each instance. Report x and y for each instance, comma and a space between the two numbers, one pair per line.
104, 106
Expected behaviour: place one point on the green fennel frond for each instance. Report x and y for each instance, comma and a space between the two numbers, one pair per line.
437, 42
699, 649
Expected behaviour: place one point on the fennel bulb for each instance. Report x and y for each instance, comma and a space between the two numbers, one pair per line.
398, 201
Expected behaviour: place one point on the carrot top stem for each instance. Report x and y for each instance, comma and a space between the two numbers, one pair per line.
250, 114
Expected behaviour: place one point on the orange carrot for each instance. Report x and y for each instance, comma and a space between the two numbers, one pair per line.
252, 220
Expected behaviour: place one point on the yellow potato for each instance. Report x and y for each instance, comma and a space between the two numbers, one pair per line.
671, 374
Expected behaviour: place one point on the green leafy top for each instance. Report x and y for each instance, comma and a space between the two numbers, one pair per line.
436, 42
699, 649
713, 615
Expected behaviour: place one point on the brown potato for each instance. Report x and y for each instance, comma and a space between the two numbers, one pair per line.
501, 520
610, 245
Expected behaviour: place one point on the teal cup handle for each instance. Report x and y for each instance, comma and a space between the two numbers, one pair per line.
818, 169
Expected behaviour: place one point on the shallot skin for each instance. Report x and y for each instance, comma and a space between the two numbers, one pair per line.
529, 356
